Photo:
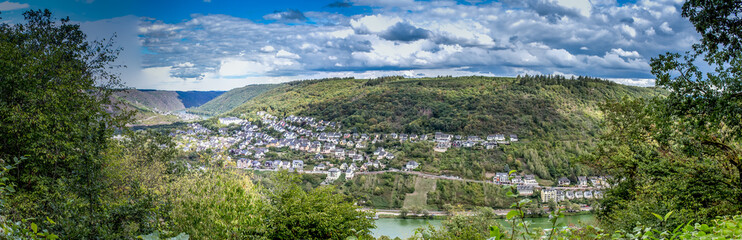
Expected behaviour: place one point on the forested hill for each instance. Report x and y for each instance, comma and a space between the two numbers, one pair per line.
164, 101
536, 106
556, 118
231, 99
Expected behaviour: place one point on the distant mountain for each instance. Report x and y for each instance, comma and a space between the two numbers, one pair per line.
231, 99
151, 100
165, 101
192, 99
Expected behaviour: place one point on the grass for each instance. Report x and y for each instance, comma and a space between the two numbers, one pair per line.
419, 198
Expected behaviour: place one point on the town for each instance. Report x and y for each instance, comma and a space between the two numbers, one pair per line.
261, 145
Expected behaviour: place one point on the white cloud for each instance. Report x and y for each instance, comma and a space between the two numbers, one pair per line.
10, 6
622, 53
583, 6
236, 68
286, 54
596, 38
267, 49
665, 27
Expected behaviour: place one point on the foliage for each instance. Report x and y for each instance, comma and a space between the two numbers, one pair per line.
681, 152
317, 214
53, 89
216, 205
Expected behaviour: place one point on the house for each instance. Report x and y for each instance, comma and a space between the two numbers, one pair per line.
411, 165
297, 164
517, 180
441, 146
549, 194
582, 181
469, 144
501, 178
530, 180
333, 174
489, 145
563, 181
570, 194
349, 174
513, 138
560, 196
319, 167
598, 194
498, 137
442, 137
588, 194
230, 120
343, 166
595, 181
319, 156
578, 194
525, 190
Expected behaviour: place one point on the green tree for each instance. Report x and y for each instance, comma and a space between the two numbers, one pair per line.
217, 205
55, 110
681, 152
317, 214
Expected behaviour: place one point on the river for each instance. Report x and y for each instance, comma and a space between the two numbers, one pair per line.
405, 228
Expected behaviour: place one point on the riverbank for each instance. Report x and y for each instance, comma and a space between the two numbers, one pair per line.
396, 213
405, 228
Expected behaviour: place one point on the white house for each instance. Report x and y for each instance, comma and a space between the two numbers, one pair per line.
230, 120
333, 174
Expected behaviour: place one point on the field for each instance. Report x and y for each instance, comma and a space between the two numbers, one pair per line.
419, 198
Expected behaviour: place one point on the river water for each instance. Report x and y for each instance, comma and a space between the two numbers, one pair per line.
405, 228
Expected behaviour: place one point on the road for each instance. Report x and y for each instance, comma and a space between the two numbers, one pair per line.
428, 175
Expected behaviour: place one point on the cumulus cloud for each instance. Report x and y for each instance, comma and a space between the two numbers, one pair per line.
596, 38
10, 6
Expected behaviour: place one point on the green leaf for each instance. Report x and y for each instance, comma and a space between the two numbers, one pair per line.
495, 232
50, 221
511, 214
667, 216
658, 216
511, 172
34, 228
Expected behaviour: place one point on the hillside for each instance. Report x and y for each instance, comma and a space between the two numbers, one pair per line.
154, 107
527, 106
231, 99
150, 100
557, 119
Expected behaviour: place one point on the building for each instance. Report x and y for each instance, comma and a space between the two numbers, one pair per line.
525, 190
530, 180
333, 174
548, 194
349, 174
411, 165
501, 178
563, 181
230, 120
582, 181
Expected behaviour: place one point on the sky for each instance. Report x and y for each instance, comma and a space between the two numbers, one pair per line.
221, 45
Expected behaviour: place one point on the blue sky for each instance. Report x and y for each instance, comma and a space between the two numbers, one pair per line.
219, 45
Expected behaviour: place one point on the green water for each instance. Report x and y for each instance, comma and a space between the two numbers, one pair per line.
405, 228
